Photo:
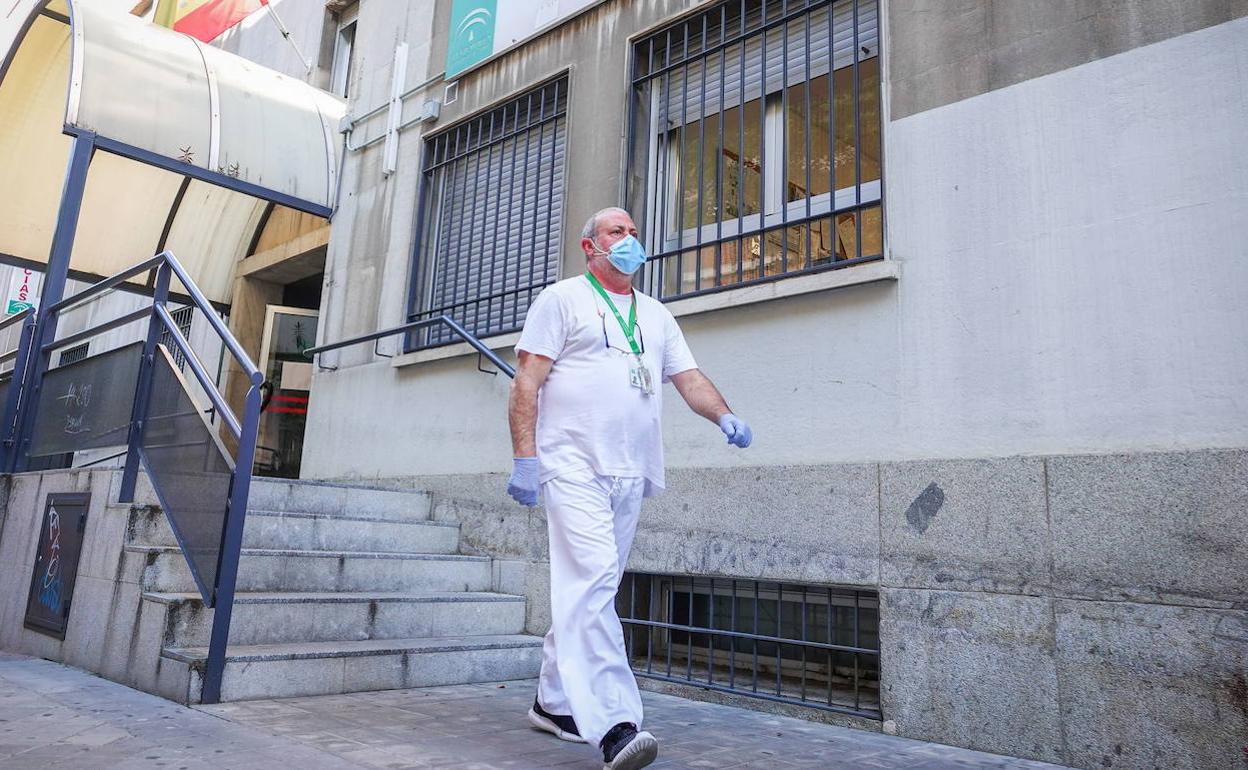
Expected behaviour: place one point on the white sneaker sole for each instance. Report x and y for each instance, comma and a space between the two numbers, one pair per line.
542, 723
640, 751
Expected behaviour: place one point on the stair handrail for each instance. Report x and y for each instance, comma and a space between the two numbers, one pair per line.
450, 323
220, 596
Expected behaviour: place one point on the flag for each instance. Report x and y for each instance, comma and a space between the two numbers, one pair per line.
206, 20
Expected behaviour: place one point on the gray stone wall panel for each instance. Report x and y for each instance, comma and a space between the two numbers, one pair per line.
804, 523
1165, 527
499, 531
1151, 686
971, 669
537, 599
975, 525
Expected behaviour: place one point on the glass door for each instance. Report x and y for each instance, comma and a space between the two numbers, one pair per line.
288, 331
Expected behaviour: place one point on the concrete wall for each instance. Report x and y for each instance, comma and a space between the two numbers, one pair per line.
1088, 610
1073, 273
259, 39
947, 51
108, 632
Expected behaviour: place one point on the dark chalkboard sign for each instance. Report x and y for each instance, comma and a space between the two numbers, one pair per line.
56, 563
87, 404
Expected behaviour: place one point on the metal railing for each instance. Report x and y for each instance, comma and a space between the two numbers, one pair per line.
451, 324
814, 646
220, 554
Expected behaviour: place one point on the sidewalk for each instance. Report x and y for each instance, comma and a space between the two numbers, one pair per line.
53, 717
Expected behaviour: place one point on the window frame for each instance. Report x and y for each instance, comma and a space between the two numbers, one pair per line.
669, 242
341, 62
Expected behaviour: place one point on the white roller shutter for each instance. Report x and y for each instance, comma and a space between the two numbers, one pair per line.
493, 238
786, 60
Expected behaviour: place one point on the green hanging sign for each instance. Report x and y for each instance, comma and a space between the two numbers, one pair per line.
471, 38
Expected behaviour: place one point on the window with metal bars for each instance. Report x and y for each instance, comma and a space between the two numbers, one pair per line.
182, 317
809, 645
755, 149
490, 215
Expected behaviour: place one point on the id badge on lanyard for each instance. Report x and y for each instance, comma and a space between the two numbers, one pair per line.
638, 373
639, 376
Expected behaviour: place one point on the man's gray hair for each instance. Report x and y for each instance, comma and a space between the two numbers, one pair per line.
590, 230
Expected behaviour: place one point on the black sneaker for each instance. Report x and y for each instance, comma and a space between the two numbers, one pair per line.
560, 726
623, 748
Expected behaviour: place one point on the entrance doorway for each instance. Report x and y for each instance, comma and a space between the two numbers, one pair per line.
288, 331
277, 298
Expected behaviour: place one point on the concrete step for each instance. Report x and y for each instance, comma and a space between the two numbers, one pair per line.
330, 668
337, 500
316, 531
278, 618
166, 571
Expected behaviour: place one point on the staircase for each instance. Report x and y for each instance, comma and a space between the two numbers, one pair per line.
340, 589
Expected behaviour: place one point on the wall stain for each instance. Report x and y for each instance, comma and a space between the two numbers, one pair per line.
924, 508
1237, 688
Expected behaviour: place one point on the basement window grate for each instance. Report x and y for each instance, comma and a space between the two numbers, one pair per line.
815, 646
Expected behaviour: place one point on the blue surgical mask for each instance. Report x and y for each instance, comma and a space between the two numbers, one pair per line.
627, 254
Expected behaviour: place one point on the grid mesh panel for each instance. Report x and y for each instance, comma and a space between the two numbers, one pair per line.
87, 404
189, 468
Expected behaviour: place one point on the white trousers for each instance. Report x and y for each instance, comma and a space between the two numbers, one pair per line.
591, 520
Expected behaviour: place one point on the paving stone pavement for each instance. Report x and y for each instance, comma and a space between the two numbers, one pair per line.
53, 717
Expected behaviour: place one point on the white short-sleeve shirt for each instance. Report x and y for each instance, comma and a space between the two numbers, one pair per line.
589, 415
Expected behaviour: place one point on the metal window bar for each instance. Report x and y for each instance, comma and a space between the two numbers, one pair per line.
466, 169
785, 44
806, 636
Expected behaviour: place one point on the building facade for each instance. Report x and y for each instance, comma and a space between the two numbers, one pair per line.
975, 272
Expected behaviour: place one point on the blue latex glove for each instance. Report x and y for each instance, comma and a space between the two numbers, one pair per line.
522, 486
736, 430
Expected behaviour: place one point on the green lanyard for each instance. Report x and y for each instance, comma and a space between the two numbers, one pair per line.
632, 314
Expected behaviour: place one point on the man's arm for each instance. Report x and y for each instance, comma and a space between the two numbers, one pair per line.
531, 373
700, 394
704, 398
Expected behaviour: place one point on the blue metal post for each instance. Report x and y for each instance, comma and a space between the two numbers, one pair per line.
227, 572
143, 391
8, 454
53, 290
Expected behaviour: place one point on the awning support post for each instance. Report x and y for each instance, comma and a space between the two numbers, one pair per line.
53, 288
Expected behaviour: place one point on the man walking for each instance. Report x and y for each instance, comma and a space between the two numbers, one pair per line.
584, 412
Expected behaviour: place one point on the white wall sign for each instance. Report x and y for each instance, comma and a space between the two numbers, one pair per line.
23, 291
